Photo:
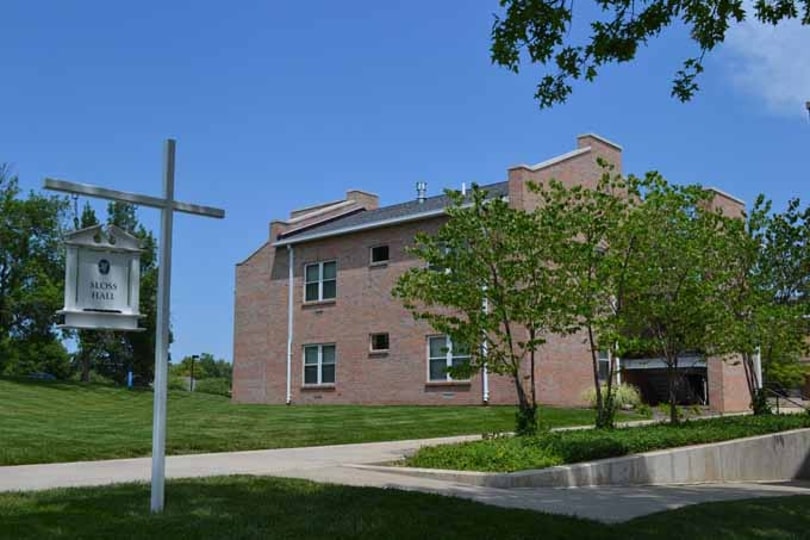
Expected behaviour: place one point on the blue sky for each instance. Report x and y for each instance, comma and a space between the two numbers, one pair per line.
277, 105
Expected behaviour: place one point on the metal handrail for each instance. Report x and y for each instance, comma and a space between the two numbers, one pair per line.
785, 397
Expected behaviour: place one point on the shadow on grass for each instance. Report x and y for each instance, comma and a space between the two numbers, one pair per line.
250, 507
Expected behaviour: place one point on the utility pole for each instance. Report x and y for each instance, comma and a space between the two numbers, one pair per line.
191, 382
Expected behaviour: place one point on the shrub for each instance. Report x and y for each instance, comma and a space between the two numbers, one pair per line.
177, 383
219, 386
624, 396
554, 448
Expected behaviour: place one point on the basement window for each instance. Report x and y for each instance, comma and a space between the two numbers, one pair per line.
379, 254
379, 342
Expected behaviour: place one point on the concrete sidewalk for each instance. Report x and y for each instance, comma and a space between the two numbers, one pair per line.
335, 464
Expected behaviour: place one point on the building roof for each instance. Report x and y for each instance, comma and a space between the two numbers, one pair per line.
380, 217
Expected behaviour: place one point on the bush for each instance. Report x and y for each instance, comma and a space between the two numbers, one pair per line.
554, 448
177, 383
624, 396
219, 386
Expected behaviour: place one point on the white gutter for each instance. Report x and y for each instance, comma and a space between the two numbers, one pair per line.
291, 257
758, 368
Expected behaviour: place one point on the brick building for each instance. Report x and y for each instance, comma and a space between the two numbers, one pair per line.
315, 321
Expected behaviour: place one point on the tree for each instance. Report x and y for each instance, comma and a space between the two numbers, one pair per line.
205, 367
592, 255
768, 303
92, 343
111, 353
679, 276
542, 30
137, 349
486, 285
31, 273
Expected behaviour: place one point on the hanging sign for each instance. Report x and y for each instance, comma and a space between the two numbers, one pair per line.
102, 279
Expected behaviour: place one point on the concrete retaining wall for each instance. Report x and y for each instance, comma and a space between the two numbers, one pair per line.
779, 456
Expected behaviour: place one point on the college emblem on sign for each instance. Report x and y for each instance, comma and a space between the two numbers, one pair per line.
102, 279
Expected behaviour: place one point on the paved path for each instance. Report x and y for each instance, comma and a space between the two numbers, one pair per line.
335, 464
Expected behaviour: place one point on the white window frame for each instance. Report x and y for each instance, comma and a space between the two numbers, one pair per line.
602, 357
448, 344
319, 365
371, 342
320, 265
372, 262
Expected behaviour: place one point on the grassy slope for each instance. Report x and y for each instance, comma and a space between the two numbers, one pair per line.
50, 422
245, 507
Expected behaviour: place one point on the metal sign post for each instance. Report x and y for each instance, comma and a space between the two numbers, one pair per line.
167, 206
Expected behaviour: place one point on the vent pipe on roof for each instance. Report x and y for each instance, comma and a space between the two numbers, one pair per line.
421, 189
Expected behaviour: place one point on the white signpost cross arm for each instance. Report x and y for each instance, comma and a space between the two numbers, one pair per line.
167, 206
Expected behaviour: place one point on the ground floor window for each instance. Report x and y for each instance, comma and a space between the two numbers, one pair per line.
442, 355
603, 359
319, 364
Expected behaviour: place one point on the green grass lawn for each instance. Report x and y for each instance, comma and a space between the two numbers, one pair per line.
506, 454
261, 507
43, 422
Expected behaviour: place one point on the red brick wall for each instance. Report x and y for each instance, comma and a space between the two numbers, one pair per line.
581, 168
728, 389
251, 319
364, 305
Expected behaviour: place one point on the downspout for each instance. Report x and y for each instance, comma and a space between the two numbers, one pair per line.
758, 368
291, 259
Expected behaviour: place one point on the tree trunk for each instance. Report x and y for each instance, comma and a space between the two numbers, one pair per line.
526, 422
672, 370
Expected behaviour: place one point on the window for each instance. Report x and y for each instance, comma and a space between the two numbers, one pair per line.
319, 364
320, 281
442, 355
379, 342
444, 250
603, 362
379, 254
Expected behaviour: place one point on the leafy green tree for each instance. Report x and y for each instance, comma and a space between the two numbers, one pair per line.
31, 274
768, 303
205, 367
110, 353
591, 253
136, 350
92, 343
540, 31
486, 285
679, 277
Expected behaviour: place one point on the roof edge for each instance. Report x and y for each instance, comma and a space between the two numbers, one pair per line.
602, 139
553, 161
726, 194
361, 227
253, 253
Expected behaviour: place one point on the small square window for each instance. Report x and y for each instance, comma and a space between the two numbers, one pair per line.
379, 342
379, 254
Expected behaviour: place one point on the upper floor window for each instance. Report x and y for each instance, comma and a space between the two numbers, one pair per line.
320, 281
379, 342
379, 254
443, 355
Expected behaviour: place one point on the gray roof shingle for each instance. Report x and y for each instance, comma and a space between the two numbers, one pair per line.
367, 218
